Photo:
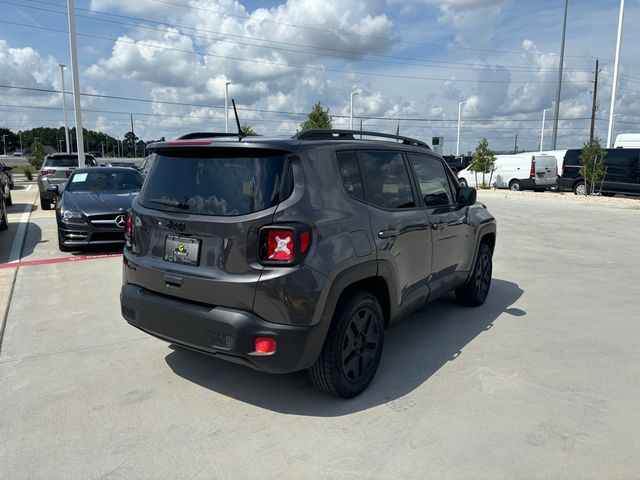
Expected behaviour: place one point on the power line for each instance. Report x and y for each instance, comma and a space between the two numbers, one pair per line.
354, 55
282, 64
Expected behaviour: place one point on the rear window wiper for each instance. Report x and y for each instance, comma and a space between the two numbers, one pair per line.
170, 203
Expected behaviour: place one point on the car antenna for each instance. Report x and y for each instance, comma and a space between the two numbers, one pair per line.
240, 134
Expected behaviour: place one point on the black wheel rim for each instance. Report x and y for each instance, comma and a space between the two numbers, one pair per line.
483, 276
360, 344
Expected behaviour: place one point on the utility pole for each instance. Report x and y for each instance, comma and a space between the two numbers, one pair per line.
594, 107
557, 105
515, 147
134, 137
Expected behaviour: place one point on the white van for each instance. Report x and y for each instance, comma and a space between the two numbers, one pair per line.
627, 140
517, 172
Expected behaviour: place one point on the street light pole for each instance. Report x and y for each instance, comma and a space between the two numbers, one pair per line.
615, 74
76, 80
226, 106
613, 128
60, 145
557, 105
544, 114
459, 121
64, 108
355, 92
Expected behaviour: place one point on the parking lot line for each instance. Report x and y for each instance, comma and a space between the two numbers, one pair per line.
18, 241
48, 261
29, 188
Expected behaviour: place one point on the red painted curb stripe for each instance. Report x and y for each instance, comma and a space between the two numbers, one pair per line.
48, 261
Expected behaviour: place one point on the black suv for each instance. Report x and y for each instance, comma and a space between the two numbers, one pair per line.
288, 254
622, 172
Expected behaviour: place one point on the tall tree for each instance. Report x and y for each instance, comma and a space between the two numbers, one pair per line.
247, 130
318, 118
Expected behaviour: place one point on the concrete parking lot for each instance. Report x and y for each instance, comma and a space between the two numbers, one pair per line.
540, 382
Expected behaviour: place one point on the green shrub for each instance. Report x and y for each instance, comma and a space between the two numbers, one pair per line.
28, 174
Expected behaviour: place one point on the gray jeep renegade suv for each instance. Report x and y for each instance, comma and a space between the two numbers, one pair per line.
291, 254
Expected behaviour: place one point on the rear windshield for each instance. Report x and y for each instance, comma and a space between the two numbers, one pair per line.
222, 186
69, 161
105, 181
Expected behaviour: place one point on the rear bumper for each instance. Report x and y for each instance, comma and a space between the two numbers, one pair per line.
222, 332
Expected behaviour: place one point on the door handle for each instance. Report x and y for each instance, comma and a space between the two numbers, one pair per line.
438, 226
388, 233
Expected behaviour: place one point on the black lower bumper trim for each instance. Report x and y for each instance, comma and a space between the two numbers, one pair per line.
226, 333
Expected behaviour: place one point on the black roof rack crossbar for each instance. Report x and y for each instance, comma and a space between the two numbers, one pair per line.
191, 136
329, 134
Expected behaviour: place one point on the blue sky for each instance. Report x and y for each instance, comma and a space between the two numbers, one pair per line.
411, 61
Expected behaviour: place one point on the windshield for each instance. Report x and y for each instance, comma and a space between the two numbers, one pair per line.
105, 181
214, 186
69, 161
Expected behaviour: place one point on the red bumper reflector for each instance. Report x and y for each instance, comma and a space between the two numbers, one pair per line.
265, 345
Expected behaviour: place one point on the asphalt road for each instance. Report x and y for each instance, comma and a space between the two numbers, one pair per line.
540, 382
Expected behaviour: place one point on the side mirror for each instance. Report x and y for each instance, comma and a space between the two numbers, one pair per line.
467, 196
54, 188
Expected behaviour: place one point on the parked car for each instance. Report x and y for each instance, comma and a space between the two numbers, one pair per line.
457, 163
4, 219
5, 187
121, 164
627, 140
55, 170
622, 172
292, 254
146, 165
517, 172
7, 171
93, 204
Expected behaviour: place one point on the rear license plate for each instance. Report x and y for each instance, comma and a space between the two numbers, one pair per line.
540, 175
183, 250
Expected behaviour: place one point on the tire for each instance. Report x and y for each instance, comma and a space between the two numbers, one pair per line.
514, 186
463, 182
475, 292
4, 221
580, 188
45, 203
353, 347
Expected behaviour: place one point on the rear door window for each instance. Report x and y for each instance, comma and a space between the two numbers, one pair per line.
223, 186
350, 172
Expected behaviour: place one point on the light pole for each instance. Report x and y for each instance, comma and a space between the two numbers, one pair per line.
60, 145
64, 107
459, 121
613, 128
355, 92
226, 106
544, 114
4, 141
615, 75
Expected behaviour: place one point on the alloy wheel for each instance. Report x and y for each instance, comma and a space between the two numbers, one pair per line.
360, 344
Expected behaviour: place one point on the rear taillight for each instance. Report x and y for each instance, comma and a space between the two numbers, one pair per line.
265, 345
532, 173
45, 172
128, 227
284, 245
562, 169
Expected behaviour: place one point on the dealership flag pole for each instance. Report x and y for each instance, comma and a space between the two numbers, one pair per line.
612, 110
76, 81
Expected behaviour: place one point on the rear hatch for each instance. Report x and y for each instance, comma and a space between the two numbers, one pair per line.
197, 220
59, 168
546, 170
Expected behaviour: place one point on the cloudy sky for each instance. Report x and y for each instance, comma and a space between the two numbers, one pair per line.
167, 62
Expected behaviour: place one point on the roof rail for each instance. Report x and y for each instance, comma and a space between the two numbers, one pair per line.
329, 134
191, 136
